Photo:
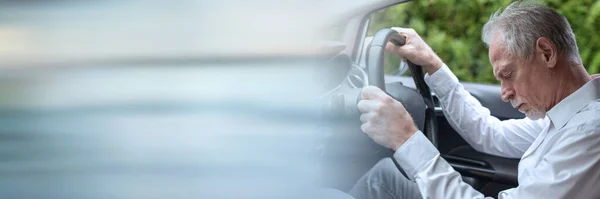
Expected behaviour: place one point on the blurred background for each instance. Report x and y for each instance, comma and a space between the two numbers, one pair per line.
206, 98
159, 99
453, 30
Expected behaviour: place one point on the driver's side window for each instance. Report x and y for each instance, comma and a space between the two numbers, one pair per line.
392, 16
455, 37
453, 30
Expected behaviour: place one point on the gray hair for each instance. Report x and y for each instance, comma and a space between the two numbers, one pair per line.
523, 22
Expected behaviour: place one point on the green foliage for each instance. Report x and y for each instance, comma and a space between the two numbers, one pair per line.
453, 29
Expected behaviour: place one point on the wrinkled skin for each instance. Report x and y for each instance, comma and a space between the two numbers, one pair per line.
536, 85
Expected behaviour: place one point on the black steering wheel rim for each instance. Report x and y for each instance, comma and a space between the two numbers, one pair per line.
375, 72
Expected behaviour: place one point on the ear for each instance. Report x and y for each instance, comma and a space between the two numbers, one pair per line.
547, 51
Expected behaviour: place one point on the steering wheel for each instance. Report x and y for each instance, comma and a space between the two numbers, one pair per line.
341, 104
375, 73
343, 98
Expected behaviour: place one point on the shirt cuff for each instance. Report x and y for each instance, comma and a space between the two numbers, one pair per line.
414, 154
441, 81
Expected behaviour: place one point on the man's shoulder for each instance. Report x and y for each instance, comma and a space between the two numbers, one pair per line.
591, 109
585, 124
587, 118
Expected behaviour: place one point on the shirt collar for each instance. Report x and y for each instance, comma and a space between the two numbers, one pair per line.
572, 104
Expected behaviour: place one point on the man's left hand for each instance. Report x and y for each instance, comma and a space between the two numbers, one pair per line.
384, 119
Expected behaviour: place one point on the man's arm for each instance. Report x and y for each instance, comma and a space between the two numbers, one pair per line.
484, 132
388, 123
565, 172
464, 113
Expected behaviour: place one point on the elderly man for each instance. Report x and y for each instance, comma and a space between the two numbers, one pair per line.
534, 55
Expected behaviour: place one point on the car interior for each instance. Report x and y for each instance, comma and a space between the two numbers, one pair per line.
486, 173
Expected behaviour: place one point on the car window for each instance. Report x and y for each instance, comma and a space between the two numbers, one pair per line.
385, 19
454, 32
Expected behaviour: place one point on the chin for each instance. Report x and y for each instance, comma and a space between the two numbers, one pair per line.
535, 115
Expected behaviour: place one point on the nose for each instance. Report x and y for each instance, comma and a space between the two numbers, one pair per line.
507, 92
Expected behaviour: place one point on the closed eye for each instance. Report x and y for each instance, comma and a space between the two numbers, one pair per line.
506, 74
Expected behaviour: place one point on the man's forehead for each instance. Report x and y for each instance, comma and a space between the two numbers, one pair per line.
497, 48
498, 55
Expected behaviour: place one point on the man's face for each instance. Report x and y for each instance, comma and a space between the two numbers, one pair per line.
523, 82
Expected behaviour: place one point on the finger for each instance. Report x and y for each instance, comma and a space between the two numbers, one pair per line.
397, 50
366, 128
365, 106
403, 30
366, 117
391, 48
372, 92
404, 51
400, 29
408, 34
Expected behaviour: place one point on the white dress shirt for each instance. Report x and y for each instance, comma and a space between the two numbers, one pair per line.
560, 154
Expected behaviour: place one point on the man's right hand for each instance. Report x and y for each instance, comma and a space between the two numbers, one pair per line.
415, 50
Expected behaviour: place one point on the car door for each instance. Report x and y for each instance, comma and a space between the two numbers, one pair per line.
487, 173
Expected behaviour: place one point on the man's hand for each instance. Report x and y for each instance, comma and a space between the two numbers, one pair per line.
384, 119
415, 50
